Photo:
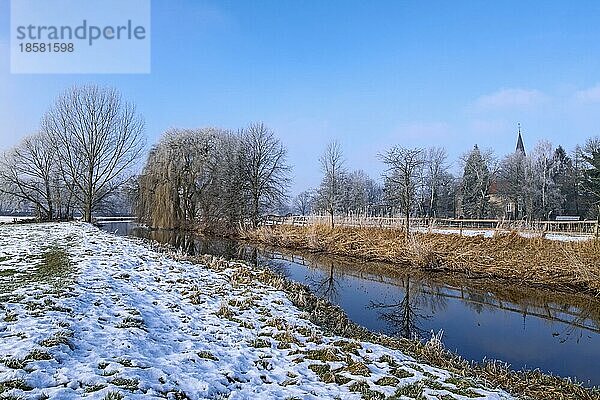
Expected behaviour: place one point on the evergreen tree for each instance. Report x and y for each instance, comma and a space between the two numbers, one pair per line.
591, 176
475, 185
564, 176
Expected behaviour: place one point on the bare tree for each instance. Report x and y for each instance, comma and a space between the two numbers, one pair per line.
514, 176
436, 175
98, 137
5, 200
403, 168
303, 202
547, 198
28, 173
212, 180
332, 166
264, 169
356, 192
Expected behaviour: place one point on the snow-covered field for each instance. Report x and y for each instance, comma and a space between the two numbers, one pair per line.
87, 314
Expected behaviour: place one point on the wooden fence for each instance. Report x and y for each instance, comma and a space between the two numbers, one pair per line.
584, 228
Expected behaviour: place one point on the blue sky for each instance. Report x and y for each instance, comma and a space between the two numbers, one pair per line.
369, 74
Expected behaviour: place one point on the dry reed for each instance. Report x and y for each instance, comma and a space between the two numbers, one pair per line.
534, 261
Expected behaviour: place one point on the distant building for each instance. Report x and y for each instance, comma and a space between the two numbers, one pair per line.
504, 207
520, 145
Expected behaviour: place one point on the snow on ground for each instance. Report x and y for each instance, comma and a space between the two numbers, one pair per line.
563, 237
86, 313
8, 219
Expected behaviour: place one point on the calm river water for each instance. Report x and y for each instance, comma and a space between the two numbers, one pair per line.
527, 328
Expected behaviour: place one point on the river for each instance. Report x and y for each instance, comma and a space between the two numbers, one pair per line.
526, 327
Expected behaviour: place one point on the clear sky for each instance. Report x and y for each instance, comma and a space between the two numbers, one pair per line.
370, 74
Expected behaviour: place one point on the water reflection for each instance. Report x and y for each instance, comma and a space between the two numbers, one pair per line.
192, 244
528, 328
404, 317
328, 286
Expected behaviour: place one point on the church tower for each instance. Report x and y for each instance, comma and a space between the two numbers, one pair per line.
520, 145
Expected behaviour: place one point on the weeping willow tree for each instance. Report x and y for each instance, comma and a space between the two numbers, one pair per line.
178, 170
199, 179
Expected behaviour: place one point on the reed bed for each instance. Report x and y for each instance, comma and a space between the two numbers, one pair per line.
533, 261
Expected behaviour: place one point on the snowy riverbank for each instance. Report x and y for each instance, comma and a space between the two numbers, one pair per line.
83, 312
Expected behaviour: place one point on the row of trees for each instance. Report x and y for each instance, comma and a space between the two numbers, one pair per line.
80, 158
542, 185
341, 191
418, 182
80, 162
213, 179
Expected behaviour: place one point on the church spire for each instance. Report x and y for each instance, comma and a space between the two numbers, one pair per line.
520, 146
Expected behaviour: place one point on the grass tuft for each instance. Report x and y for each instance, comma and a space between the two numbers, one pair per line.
365, 391
413, 390
114, 396
207, 355
11, 316
324, 354
225, 312
18, 384
358, 368
387, 381
130, 384
57, 339
260, 343
95, 388
131, 322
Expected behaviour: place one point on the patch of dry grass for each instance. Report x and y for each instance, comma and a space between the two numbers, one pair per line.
538, 261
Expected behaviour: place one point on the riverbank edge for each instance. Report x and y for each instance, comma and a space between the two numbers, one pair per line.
525, 384
572, 267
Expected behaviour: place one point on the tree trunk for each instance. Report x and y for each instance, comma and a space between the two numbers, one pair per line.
431, 201
407, 223
87, 214
255, 212
407, 203
50, 205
